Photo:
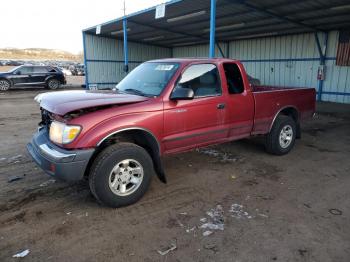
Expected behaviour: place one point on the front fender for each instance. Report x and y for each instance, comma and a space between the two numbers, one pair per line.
94, 136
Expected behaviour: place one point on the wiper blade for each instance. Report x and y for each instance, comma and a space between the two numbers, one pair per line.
135, 91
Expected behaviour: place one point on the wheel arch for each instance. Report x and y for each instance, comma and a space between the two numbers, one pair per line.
291, 111
139, 136
48, 78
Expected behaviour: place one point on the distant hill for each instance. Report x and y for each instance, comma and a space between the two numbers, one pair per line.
38, 54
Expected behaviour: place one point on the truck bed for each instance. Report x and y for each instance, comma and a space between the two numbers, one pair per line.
256, 89
270, 100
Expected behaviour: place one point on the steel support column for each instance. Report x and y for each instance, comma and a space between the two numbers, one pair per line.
212, 28
322, 53
85, 62
125, 38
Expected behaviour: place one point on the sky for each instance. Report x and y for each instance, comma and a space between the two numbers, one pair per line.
58, 24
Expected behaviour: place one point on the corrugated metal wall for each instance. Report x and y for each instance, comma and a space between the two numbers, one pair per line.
286, 61
198, 51
105, 58
337, 77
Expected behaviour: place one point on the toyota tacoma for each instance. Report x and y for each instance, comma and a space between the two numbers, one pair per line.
116, 138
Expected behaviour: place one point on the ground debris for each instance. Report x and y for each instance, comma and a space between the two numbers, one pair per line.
14, 159
83, 215
335, 211
237, 211
223, 157
14, 178
212, 247
216, 221
48, 182
190, 229
22, 254
212, 226
166, 250
207, 233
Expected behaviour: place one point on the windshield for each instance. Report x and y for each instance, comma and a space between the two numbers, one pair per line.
14, 69
148, 79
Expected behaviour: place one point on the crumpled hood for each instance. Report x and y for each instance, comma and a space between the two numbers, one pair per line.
63, 102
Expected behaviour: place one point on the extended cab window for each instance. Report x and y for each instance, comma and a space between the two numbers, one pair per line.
203, 79
234, 78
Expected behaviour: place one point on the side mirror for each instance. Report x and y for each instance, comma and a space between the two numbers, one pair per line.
181, 93
18, 73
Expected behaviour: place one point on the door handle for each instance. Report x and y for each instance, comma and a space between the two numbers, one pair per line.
220, 106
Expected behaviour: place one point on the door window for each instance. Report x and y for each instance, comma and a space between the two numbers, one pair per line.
203, 79
40, 70
25, 70
234, 78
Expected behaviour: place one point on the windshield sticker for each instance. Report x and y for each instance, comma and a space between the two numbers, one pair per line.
164, 67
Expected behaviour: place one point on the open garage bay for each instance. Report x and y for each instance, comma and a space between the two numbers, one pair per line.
231, 202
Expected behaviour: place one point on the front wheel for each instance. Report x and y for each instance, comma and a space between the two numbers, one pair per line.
121, 174
4, 85
53, 84
281, 138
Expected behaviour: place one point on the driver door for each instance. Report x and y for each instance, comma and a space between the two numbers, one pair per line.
22, 75
190, 123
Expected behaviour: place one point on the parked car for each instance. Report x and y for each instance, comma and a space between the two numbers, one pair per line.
26, 75
77, 70
117, 138
66, 71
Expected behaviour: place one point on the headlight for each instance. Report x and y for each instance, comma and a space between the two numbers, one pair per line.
63, 134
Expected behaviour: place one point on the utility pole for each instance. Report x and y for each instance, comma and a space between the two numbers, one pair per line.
124, 8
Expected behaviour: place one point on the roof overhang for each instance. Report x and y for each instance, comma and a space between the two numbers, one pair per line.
186, 22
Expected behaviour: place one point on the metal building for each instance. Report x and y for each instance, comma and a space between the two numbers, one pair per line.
280, 42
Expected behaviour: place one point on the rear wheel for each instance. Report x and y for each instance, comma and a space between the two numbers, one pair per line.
281, 138
121, 174
4, 85
53, 84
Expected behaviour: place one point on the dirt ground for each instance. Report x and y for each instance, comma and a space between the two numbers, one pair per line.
249, 205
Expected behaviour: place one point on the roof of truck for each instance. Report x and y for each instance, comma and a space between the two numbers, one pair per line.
192, 59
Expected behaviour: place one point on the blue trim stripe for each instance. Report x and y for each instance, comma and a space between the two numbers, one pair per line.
112, 61
285, 60
105, 83
335, 93
244, 61
85, 62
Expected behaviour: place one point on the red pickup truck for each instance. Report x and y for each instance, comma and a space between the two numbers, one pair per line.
116, 138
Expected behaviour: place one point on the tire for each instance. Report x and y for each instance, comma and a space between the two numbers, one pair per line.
4, 85
53, 84
281, 138
123, 158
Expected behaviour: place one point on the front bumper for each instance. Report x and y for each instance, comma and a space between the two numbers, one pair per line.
69, 165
